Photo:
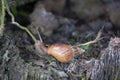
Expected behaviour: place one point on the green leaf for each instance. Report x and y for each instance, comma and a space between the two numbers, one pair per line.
86, 47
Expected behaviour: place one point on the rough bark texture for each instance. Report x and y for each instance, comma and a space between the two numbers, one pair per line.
12, 67
108, 67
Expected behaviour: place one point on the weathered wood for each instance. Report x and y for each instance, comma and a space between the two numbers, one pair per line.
108, 67
12, 67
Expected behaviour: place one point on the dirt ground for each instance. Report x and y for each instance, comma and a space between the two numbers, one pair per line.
18, 54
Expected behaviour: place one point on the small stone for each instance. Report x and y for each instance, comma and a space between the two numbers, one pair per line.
42, 21
56, 6
87, 9
67, 29
114, 13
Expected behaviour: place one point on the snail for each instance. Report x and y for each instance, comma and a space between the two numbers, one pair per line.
63, 52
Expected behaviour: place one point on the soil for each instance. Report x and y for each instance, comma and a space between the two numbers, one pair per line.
19, 52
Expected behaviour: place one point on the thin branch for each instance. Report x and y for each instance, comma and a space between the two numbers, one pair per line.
91, 42
9, 12
17, 24
3, 14
24, 28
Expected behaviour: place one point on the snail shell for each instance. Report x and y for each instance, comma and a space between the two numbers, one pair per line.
63, 52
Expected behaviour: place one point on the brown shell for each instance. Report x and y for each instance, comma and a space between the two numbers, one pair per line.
62, 52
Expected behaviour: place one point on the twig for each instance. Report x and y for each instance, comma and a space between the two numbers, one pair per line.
17, 24
3, 14
94, 41
24, 28
9, 12
2, 17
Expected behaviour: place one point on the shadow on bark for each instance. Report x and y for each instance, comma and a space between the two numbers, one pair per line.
12, 67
